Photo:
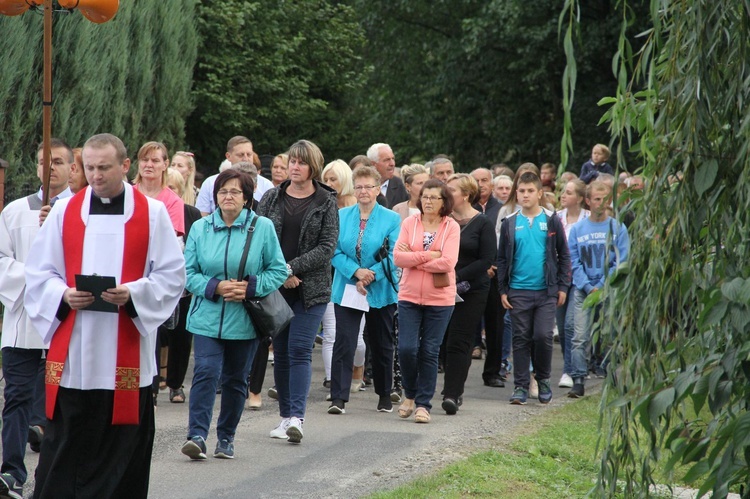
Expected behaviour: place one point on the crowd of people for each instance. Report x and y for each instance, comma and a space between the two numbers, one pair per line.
403, 274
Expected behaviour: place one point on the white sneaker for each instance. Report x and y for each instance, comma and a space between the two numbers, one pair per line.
294, 430
280, 431
356, 386
565, 381
533, 388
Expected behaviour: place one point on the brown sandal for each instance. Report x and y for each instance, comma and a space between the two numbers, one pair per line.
406, 409
421, 415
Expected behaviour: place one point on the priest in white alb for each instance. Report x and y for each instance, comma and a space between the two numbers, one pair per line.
100, 430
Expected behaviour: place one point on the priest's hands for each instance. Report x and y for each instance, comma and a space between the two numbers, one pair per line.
77, 299
232, 290
119, 295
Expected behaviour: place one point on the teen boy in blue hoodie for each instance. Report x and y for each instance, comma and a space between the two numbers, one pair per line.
533, 272
597, 245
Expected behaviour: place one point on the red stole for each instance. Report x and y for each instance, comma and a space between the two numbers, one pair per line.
127, 370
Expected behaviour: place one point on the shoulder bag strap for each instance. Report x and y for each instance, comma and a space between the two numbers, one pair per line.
250, 231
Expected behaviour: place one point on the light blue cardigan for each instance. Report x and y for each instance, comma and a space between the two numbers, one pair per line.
381, 224
212, 254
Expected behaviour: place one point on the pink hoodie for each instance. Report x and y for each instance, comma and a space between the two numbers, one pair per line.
416, 283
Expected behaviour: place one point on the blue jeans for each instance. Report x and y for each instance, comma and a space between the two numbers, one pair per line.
507, 336
421, 331
24, 405
581, 343
565, 319
215, 358
292, 358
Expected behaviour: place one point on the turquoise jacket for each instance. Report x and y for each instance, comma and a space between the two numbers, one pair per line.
383, 223
212, 254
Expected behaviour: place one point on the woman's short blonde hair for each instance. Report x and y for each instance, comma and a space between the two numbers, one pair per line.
409, 171
343, 173
466, 184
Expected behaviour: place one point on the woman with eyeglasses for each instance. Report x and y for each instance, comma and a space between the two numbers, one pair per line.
337, 175
364, 266
427, 250
224, 337
306, 219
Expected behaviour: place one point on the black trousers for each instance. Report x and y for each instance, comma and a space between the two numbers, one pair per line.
85, 456
494, 313
460, 340
533, 316
258, 369
380, 328
180, 342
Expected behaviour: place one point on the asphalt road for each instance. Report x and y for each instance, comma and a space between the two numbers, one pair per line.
342, 456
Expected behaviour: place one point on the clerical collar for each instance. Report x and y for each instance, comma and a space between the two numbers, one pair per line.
108, 206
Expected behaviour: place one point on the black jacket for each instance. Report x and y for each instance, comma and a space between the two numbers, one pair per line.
395, 193
317, 241
557, 267
491, 210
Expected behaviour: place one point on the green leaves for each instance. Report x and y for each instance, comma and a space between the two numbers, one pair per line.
680, 314
275, 72
737, 290
705, 176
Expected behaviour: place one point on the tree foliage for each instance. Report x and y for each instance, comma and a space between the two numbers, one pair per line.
681, 308
275, 71
482, 80
130, 76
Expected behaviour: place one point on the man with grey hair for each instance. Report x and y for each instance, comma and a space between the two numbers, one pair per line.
391, 186
442, 169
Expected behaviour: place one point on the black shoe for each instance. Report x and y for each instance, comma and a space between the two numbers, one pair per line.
10, 487
494, 383
385, 404
326, 383
577, 391
36, 434
450, 406
460, 401
600, 372
337, 407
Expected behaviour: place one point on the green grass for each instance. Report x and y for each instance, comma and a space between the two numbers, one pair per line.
552, 458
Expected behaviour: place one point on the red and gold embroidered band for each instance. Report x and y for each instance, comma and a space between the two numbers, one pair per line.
127, 370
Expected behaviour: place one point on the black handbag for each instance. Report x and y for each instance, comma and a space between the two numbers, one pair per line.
270, 314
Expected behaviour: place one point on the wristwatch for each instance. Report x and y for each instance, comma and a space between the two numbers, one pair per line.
289, 272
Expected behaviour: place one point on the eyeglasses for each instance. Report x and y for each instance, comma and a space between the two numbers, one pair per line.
233, 193
431, 199
364, 187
